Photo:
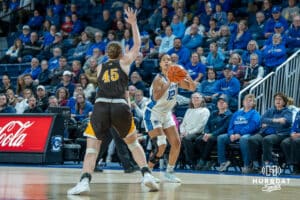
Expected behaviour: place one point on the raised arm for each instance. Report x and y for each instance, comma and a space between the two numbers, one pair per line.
131, 55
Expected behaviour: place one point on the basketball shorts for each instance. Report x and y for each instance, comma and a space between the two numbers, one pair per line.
153, 120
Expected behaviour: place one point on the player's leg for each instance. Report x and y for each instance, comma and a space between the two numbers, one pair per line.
153, 125
91, 154
123, 123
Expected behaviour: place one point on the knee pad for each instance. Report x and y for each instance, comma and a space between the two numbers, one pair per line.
133, 145
161, 140
153, 158
91, 150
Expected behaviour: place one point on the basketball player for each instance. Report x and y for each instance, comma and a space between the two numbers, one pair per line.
111, 110
158, 117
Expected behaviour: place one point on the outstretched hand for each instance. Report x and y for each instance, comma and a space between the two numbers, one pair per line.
131, 16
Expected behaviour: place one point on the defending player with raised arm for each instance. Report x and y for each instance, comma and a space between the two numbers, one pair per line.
158, 117
112, 110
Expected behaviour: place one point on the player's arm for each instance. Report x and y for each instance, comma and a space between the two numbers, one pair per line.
159, 87
188, 83
99, 67
131, 55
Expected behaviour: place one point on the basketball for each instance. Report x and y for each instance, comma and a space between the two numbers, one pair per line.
176, 73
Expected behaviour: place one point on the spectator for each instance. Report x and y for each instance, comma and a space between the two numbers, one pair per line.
13, 5
53, 19
57, 73
294, 109
267, 9
167, 41
290, 146
25, 36
216, 125
182, 52
195, 68
147, 45
81, 48
293, 36
228, 85
44, 77
201, 28
58, 8
22, 103
138, 105
207, 86
36, 21
275, 127
62, 95
5, 18
206, 15
88, 88
220, 15
105, 23
243, 124
274, 54
41, 98
12, 54
238, 42
97, 44
49, 36
201, 53
118, 16
238, 68
66, 82
257, 29
276, 17
34, 69
67, 26
12, 99
192, 40
52, 102
136, 80
78, 26
91, 72
141, 14
29, 83
127, 41
175, 59
138, 66
57, 43
223, 38
32, 106
252, 47
30, 49
212, 32
76, 71
232, 24
192, 128
20, 85
54, 61
6, 84
177, 27
215, 57
4, 106
82, 109
278, 29
120, 30
291, 10
254, 72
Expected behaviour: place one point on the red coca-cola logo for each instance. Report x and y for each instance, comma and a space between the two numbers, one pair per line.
24, 133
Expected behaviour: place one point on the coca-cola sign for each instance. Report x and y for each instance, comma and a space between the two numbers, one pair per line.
24, 133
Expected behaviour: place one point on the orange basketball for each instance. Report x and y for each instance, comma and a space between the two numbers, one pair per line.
176, 73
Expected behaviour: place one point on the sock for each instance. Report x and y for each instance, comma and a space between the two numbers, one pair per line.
86, 177
170, 168
145, 169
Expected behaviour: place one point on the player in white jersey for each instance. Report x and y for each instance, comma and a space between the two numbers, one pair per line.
158, 117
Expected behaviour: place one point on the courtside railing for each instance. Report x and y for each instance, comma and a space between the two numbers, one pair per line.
285, 79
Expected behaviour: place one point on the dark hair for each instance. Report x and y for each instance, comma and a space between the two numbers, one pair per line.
283, 96
6, 97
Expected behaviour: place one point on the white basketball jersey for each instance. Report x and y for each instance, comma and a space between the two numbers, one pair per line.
166, 103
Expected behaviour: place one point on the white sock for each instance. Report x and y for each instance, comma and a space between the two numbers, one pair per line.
170, 168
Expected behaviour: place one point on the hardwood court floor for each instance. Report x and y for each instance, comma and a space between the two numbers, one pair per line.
52, 183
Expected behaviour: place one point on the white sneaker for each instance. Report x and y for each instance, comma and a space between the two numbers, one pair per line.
157, 180
149, 181
81, 187
171, 178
